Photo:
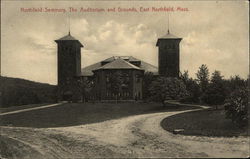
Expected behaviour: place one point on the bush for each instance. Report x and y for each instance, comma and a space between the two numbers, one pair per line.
164, 88
236, 107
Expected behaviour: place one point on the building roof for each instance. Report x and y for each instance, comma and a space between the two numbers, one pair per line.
168, 36
87, 71
68, 37
126, 58
118, 63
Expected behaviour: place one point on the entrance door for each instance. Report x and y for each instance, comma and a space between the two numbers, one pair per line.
67, 96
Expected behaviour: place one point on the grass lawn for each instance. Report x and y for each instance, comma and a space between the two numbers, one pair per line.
14, 108
71, 114
208, 122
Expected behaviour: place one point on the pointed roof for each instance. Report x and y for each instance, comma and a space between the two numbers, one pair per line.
168, 36
68, 37
119, 63
88, 71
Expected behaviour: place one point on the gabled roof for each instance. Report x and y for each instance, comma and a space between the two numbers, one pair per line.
118, 63
69, 38
87, 71
126, 58
168, 36
149, 68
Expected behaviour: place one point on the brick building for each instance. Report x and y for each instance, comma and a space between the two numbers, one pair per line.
68, 68
118, 77
126, 71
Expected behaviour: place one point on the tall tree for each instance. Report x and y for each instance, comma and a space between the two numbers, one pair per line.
215, 93
192, 88
185, 77
203, 77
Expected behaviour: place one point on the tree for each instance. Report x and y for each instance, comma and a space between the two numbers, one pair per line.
203, 77
147, 80
164, 88
236, 107
192, 87
86, 86
215, 93
236, 82
115, 82
185, 77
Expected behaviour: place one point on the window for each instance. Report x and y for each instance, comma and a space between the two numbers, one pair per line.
107, 78
137, 78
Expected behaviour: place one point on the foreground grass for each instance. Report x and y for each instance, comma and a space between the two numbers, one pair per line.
14, 108
208, 122
71, 114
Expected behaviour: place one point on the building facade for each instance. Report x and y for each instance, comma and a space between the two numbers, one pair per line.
115, 78
68, 68
169, 55
118, 80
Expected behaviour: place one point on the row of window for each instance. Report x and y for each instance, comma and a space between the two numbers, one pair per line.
122, 94
125, 79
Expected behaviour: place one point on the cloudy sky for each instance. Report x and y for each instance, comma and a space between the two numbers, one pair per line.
214, 33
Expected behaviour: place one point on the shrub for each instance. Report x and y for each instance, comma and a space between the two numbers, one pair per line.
236, 107
164, 88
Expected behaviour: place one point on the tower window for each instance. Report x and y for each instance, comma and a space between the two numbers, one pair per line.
137, 78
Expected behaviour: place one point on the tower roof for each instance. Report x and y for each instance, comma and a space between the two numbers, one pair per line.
168, 36
69, 38
119, 63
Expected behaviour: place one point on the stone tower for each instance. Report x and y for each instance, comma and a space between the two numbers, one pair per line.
168, 55
68, 67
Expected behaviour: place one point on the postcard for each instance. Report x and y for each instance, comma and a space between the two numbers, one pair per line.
124, 79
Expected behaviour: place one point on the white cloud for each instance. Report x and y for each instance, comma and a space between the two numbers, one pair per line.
213, 33
113, 38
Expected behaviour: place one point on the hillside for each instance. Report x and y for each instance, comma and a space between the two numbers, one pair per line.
16, 91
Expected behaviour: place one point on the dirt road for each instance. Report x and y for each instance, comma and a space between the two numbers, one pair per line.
134, 136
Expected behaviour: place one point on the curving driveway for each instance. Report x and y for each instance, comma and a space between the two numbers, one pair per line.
133, 136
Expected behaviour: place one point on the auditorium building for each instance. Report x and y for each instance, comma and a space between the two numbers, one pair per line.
114, 78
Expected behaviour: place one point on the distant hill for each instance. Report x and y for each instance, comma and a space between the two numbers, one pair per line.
16, 91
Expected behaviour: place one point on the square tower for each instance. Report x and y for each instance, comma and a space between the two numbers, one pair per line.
69, 67
168, 55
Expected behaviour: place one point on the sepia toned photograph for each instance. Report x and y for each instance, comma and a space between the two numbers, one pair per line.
124, 79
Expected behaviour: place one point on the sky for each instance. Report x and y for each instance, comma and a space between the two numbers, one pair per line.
214, 33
